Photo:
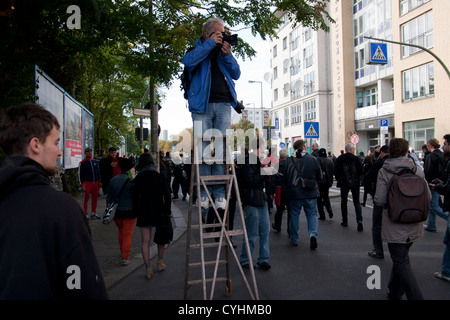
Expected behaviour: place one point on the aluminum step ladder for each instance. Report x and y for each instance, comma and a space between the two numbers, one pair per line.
201, 230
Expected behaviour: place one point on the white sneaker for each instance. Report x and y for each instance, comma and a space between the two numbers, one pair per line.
204, 202
221, 203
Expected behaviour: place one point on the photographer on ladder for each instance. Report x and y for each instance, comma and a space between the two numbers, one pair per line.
212, 69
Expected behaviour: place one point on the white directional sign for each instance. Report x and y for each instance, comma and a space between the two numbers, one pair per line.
141, 112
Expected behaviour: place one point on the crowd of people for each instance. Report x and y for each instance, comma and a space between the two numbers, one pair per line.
303, 181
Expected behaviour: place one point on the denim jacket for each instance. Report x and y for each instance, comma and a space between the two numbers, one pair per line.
198, 59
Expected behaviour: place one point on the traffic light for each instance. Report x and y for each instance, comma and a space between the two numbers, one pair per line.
137, 134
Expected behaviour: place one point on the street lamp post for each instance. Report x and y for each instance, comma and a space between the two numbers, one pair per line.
262, 110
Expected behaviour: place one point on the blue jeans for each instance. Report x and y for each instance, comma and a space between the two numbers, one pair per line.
215, 121
257, 223
310, 206
435, 209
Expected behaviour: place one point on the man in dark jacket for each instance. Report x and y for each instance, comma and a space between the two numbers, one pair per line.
45, 240
257, 222
327, 167
301, 182
432, 167
443, 188
348, 172
377, 212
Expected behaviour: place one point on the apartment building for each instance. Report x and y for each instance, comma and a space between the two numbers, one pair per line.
407, 93
301, 84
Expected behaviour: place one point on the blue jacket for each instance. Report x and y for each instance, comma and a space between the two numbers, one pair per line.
88, 170
198, 94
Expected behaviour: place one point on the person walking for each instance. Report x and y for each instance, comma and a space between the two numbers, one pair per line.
125, 217
89, 178
301, 181
107, 165
371, 178
348, 172
399, 236
254, 202
327, 168
213, 69
280, 192
434, 168
45, 239
442, 187
152, 205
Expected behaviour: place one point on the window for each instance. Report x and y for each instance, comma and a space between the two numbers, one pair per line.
418, 82
409, 5
418, 133
418, 31
359, 99
284, 43
294, 39
307, 33
286, 117
295, 64
275, 73
308, 56
275, 94
310, 110
371, 96
296, 114
274, 51
309, 80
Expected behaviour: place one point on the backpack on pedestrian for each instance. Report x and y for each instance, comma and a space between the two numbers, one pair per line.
408, 200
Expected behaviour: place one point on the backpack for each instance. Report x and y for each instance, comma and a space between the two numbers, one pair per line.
408, 200
186, 78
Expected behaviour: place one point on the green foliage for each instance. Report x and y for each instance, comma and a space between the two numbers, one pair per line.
122, 47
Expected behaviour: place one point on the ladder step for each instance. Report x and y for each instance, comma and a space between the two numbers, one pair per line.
208, 245
220, 279
207, 263
209, 235
216, 178
206, 225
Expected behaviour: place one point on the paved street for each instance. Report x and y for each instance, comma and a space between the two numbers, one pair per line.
337, 270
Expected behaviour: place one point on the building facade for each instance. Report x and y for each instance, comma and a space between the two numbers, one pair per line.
407, 93
301, 84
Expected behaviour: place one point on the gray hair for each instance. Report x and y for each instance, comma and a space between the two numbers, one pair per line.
349, 146
208, 26
284, 153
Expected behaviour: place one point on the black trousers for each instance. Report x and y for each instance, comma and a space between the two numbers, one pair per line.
355, 196
402, 279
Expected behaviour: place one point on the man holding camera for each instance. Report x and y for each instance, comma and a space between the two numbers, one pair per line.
213, 70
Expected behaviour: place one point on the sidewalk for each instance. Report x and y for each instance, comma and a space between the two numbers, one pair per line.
106, 243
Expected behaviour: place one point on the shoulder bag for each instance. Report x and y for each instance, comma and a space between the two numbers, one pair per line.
111, 208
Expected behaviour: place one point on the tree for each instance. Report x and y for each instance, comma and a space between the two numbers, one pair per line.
121, 43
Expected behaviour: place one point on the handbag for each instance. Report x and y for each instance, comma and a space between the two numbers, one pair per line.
164, 231
307, 183
111, 208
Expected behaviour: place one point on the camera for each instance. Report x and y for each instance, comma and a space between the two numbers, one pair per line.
435, 181
239, 107
230, 38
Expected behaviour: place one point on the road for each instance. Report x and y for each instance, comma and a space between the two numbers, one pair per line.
339, 269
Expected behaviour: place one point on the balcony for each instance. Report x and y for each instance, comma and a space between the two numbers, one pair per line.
379, 110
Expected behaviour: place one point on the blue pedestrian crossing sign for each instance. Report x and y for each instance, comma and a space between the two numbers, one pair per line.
311, 130
377, 53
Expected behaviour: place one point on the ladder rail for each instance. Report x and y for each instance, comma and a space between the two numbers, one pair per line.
203, 181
